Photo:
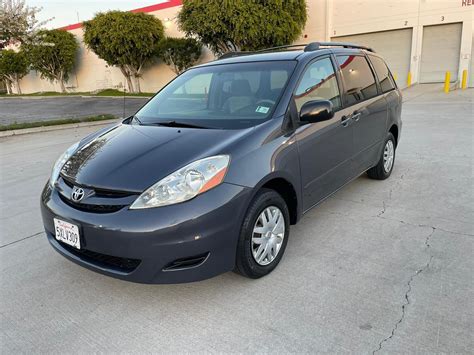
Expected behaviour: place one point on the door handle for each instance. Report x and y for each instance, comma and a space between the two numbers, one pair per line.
345, 120
356, 116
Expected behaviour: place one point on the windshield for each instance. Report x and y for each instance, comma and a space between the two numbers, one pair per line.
227, 96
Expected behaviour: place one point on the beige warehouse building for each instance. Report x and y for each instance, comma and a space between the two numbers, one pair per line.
419, 38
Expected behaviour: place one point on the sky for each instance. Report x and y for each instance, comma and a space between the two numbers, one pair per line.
68, 12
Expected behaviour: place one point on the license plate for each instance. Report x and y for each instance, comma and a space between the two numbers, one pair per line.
67, 233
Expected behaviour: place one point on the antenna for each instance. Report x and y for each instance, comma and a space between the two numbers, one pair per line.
124, 90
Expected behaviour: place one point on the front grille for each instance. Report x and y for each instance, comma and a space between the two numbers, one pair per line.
114, 262
101, 192
85, 207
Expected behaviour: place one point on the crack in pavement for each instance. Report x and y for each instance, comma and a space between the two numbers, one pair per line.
20, 240
383, 209
422, 225
407, 293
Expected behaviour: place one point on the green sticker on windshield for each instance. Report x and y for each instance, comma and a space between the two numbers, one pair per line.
262, 109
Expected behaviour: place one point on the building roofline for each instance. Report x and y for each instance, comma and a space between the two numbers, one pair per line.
150, 8
160, 6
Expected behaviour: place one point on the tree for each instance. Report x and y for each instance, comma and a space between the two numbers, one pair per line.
18, 22
125, 39
54, 55
179, 53
13, 67
232, 25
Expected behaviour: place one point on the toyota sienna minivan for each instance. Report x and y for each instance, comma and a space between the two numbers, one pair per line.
209, 175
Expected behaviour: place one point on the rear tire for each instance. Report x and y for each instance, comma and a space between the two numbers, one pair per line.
263, 236
384, 167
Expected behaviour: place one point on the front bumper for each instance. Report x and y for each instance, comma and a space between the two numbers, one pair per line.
190, 241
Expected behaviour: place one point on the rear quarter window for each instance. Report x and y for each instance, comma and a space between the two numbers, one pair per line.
381, 69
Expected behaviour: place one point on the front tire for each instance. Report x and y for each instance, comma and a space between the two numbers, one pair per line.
263, 236
384, 167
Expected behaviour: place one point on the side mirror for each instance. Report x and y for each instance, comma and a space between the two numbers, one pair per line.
316, 111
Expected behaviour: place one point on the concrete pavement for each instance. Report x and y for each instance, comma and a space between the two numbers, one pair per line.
32, 109
380, 265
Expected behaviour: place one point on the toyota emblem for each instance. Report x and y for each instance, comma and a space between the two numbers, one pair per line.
77, 194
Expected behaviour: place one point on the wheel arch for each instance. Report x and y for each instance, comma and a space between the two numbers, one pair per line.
394, 130
286, 188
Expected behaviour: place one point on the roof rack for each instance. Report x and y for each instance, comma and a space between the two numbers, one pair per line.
241, 53
234, 54
313, 46
280, 47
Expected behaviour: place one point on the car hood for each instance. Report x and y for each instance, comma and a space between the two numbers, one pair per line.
134, 157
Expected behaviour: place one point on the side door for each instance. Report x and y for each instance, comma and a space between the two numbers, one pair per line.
367, 108
325, 148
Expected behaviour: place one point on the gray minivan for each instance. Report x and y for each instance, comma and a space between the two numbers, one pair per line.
210, 173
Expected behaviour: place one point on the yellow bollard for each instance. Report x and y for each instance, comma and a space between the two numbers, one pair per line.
464, 79
447, 79
409, 79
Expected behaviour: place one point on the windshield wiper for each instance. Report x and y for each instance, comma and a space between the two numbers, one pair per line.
177, 124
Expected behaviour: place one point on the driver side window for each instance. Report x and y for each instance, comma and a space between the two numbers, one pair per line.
318, 83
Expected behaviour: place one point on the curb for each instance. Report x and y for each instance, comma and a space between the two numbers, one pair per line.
19, 132
114, 97
67, 96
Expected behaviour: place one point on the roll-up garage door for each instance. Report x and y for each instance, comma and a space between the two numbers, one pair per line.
471, 68
394, 46
440, 52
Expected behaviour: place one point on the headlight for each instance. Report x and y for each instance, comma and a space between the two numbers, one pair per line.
184, 184
60, 162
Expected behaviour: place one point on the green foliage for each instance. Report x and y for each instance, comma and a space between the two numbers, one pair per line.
179, 53
105, 92
124, 39
115, 92
13, 67
13, 63
229, 25
56, 122
54, 55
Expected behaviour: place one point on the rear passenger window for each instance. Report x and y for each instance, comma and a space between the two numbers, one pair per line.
358, 78
318, 83
383, 74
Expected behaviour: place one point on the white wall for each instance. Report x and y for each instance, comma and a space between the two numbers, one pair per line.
326, 19
364, 16
471, 66
92, 73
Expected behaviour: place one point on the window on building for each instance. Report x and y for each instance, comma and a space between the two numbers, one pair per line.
318, 83
385, 79
358, 78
